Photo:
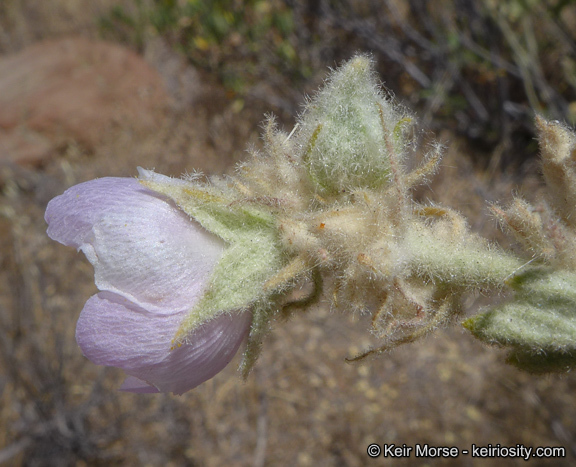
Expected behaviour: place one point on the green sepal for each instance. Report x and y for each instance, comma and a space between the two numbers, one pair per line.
538, 324
253, 254
263, 313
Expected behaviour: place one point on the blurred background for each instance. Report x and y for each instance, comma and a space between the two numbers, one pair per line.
90, 89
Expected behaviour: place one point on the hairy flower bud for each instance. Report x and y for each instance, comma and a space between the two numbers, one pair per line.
349, 130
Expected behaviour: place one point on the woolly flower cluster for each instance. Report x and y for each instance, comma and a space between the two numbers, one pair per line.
189, 268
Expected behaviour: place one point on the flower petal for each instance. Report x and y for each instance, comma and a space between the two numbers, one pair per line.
133, 384
114, 332
142, 246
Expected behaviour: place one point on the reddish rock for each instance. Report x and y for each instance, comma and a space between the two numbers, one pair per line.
73, 89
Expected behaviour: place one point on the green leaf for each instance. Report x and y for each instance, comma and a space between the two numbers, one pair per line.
553, 362
456, 259
538, 324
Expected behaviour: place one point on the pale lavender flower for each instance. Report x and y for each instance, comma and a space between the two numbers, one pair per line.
152, 264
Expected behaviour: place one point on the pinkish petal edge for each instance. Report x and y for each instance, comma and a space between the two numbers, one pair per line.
137, 386
114, 332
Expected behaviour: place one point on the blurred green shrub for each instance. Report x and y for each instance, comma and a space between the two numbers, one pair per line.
479, 67
238, 40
